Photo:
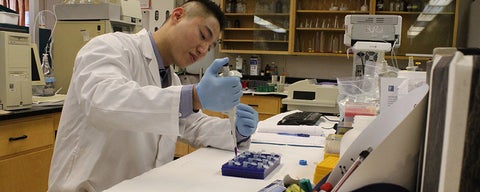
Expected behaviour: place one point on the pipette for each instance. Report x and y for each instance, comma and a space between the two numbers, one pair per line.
231, 113
352, 168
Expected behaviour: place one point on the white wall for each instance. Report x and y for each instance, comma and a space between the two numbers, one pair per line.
150, 20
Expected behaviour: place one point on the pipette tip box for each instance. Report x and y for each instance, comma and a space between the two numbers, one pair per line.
254, 165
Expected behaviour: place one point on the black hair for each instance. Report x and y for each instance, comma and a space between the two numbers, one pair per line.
213, 9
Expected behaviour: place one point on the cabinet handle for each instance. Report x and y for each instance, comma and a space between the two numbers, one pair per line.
17, 138
251, 105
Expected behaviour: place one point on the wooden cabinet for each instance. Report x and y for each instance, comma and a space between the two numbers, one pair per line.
266, 106
317, 27
26, 148
425, 26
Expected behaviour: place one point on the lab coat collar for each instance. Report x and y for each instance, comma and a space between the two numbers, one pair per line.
156, 52
149, 54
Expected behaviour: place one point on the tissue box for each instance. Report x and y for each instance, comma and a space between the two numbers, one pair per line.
9, 18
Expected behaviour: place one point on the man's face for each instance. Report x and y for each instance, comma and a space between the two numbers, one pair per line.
194, 37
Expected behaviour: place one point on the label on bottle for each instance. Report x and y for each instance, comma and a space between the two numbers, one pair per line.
239, 63
254, 66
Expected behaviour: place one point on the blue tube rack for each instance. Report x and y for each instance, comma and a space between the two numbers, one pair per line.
251, 165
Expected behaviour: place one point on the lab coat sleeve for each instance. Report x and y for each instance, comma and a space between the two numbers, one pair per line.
201, 130
114, 86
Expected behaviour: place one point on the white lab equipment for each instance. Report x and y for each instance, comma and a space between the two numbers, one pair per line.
306, 95
74, 29
450, 154
127, 12
15, 71
370, 37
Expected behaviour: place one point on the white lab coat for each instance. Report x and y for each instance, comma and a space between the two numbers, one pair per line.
117, 122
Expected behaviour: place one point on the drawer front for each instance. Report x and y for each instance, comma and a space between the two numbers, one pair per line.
263, 104
28, 172
25, 134
262, 116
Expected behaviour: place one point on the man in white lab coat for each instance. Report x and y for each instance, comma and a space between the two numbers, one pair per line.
122, 117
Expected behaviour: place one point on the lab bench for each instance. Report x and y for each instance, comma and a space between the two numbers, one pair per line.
26, 147
201, 171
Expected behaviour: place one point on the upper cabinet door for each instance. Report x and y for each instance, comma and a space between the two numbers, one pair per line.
261, 27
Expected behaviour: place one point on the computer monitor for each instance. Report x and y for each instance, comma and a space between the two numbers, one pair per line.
37, 72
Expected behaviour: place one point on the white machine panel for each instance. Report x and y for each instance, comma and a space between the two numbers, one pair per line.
373, 28
15, 71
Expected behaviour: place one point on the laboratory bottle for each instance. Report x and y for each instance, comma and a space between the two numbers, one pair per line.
255, 64
233, 6
279, 6
241, 6
245, 68
273, 69
228, 8
267, 70
364, 7
239, 64
49, 88
380, 5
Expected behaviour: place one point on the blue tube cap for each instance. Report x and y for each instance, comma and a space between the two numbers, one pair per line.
302, 162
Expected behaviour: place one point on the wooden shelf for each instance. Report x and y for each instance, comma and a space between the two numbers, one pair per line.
410, 13
247, 29
254, 41
260, 52
319, 29
257, 14
332, 12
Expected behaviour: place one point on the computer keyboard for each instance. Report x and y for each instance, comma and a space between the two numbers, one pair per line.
301, 118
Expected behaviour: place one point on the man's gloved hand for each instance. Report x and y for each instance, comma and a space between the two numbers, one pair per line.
247, 120
218, 93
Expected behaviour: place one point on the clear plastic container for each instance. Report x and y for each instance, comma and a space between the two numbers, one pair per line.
49, 88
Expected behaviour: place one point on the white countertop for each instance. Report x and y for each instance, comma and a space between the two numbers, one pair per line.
201, 171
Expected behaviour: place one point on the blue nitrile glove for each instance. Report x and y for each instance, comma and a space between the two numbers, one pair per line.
247, 120
218, 93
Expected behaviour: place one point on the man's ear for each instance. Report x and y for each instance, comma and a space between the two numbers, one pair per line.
177, 14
